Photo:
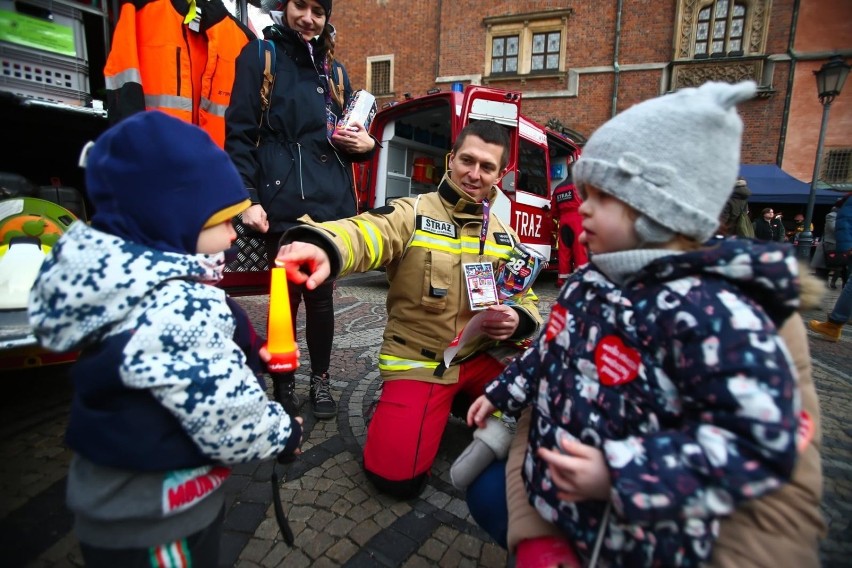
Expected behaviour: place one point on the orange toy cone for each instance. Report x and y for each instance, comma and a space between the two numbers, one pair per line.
279, 339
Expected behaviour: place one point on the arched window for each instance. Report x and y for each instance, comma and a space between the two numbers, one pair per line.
720, 28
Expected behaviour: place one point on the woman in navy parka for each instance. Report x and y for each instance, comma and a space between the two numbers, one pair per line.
294, 162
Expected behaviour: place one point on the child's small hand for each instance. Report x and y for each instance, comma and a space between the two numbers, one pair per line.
580, 472
479, 411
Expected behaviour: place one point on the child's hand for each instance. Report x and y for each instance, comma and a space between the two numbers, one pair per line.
580, 472
290, 458
479, 411
265, 356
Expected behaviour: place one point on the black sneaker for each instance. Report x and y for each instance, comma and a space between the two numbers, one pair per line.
284, 391
321, 399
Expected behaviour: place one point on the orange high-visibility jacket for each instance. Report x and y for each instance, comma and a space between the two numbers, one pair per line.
159, 63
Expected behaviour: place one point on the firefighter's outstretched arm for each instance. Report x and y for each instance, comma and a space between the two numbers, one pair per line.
313, 264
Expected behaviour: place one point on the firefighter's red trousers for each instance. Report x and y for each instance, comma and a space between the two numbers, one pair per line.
409, 421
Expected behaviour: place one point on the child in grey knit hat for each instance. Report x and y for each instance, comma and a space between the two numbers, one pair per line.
661, 394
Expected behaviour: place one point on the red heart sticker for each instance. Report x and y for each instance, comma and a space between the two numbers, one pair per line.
524, 272
617, 364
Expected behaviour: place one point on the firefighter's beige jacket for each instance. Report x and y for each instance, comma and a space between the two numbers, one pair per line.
423, 242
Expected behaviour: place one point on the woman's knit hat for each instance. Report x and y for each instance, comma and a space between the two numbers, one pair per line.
674, 159
158, 181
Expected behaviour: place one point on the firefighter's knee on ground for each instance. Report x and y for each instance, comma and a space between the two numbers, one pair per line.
400, 489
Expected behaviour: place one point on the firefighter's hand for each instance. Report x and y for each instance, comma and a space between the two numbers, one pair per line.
312, 262
265, 355
500, 322
255, 218
354, 139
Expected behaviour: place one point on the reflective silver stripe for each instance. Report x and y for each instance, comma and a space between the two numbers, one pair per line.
213, 108
169, 101
117, 81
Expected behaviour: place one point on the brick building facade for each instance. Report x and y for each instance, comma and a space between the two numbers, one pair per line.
580, 62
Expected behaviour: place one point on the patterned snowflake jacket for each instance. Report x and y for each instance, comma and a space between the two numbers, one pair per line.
679, 377
163, 395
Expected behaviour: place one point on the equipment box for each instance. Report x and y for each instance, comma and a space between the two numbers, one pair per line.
47, 26
43, 52
30, 73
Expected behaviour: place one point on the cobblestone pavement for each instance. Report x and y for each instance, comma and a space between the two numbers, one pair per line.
337, 517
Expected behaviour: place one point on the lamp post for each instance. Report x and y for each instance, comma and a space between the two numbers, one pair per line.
830, 78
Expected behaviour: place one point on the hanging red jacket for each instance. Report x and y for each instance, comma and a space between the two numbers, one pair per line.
566, 203
158, 62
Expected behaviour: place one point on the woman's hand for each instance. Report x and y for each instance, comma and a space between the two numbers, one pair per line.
255, 218
354, 139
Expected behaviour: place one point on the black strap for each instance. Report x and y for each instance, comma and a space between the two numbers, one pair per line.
280, 517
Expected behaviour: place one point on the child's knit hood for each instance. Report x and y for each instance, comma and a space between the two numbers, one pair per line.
674, 159
158, 181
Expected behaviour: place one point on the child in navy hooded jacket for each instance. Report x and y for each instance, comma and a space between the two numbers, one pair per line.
661, 393
164, 396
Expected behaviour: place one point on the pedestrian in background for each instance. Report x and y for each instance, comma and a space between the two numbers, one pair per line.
832, 328
734, 218
571, 252
166, 395
294, 162
778, 230
763, 225
826, 262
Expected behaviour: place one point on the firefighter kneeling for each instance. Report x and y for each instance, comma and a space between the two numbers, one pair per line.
424, 242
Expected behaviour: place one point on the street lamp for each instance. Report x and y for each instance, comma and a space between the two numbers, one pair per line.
830, 78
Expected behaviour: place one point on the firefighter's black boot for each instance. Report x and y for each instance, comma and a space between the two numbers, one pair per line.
284, 392
321, 399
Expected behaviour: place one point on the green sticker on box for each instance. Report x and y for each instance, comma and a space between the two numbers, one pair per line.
37, 33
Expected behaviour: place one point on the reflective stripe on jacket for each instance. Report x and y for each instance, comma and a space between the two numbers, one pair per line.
158, 63
423, 243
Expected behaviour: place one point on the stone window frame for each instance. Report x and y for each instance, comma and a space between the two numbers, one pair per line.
370, 64
524, 26
755, 30
836, 167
